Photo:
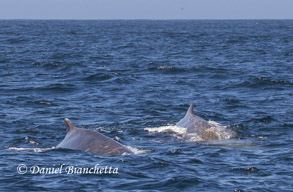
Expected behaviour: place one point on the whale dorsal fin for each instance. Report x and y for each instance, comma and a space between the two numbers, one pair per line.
69, 125
190, 110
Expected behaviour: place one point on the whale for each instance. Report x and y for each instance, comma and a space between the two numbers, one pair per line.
90, 141
206, 130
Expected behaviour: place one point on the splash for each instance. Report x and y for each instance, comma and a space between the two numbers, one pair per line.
30, 149
167, 129
215, 132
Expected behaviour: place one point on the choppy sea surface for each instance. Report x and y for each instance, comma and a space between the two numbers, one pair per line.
122, 78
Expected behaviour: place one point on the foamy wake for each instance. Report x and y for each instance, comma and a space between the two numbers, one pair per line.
132, 149
218, 132
137, 151
167, 129
30, 149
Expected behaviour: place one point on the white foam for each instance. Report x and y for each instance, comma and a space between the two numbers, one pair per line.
216, 129
167, 129
137, 151
192, 137
30, 149
31, 141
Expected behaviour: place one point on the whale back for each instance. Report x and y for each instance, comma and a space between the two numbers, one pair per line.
193, 123
90, 141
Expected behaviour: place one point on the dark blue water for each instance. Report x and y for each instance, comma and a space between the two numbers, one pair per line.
119, 77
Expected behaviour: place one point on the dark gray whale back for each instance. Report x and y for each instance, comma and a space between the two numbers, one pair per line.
90, 141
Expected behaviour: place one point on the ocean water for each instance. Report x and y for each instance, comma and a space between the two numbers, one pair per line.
122, 78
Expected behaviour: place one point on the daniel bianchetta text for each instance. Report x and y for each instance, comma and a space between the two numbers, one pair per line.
67, 169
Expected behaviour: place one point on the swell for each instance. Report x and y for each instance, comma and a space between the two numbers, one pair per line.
263, 83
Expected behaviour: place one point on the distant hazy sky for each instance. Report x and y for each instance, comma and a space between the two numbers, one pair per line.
146, 9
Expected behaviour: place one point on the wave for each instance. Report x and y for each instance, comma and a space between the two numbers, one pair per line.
99, 77
168, 69
274, 81
256, 82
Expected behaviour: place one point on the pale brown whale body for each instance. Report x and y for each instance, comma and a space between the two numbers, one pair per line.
206, 130
90, 141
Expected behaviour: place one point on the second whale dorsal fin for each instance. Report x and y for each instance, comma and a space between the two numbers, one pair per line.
190, 110
69, 125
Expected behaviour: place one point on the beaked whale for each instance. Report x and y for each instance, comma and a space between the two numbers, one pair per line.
206, 130
90, 141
